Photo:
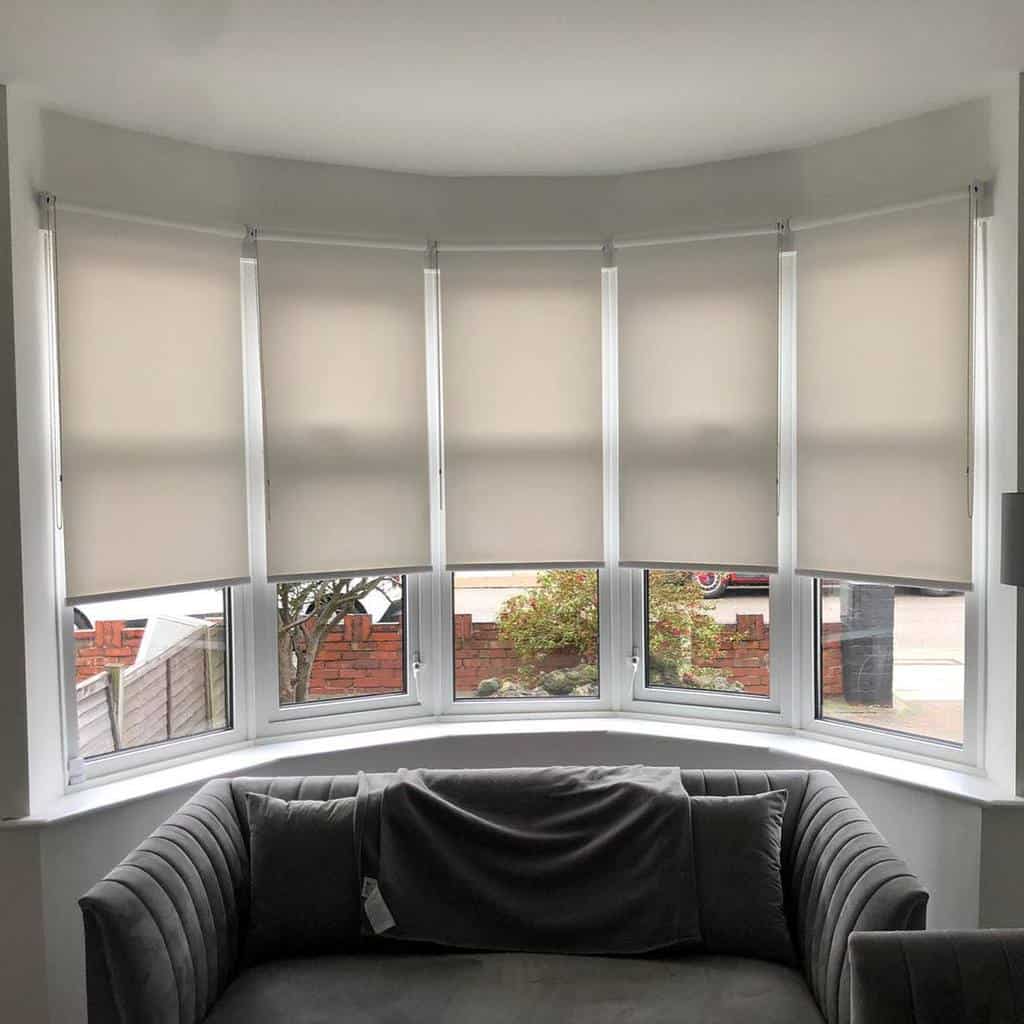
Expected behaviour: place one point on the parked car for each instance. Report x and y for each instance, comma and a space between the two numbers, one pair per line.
715, 584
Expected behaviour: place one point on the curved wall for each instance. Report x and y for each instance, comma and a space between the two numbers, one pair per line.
97, 165
46, 869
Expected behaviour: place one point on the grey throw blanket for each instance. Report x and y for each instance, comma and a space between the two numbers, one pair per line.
560, 860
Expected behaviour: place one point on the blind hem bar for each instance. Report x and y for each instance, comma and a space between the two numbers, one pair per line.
464, 247
137, 218
354, 243
807, 224
176, 588
892, 581
345, 574
753, 570
512, 566
701, 236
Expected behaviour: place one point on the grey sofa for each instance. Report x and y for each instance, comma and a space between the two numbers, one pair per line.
935, 977
165, 929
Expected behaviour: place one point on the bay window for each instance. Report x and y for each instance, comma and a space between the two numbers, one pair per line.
733, 477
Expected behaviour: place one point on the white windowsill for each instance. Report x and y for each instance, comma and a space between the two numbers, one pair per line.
259, 756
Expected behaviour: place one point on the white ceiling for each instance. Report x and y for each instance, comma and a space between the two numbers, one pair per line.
521, 87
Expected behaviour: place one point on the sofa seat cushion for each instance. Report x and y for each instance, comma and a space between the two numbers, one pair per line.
510, 988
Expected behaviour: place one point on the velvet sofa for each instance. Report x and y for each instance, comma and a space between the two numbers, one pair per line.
935, 977
165, 933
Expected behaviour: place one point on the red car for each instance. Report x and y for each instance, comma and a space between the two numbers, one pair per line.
715, 584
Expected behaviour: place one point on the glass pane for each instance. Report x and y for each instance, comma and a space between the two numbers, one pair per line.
526, 634
892, 658
151, 669
340, 638
708, 631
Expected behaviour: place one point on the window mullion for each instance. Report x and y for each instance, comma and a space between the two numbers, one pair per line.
786, 602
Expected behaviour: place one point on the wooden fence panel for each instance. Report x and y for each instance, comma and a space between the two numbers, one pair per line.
95, 716
179, 693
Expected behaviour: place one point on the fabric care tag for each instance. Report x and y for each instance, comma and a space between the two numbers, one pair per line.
375, 908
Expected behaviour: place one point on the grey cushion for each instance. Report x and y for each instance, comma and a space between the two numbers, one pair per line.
163, 929
305, 881
839, 873
512, 988
737, 845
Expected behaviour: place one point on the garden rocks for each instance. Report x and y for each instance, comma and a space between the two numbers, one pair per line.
580, 681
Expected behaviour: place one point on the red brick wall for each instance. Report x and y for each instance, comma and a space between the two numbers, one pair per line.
831, 659
743, 654
480, 654
110, 643
361, 657
358, 658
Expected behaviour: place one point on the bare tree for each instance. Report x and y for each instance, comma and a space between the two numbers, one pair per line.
306, 612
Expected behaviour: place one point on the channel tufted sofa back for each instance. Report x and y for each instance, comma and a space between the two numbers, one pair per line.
164, 929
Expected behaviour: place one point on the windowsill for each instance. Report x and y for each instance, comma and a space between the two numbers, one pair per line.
259, 756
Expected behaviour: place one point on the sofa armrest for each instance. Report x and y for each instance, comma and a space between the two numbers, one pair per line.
934, 977
845, 878
163, 929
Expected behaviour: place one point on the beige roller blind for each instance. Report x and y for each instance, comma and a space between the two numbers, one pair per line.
882, 402
153, 449
698, 404
522, 408
344, 391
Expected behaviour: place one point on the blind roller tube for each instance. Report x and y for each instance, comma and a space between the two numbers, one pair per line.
698, 404
152, 428
523, 458
344, 389
883, 369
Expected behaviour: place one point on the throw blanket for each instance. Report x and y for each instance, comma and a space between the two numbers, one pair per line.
559, 860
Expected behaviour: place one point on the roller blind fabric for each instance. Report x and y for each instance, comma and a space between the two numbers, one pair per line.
882, 397
153, 447
698, 404
344, 385
523, 451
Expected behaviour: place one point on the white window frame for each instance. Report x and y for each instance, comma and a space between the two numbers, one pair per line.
608, 685
775, 710
270, 717
969, 755
79, 772
744, 704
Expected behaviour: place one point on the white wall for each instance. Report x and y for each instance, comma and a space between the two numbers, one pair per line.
87, 163
14, 792
97, 165
938, 835
23, 987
